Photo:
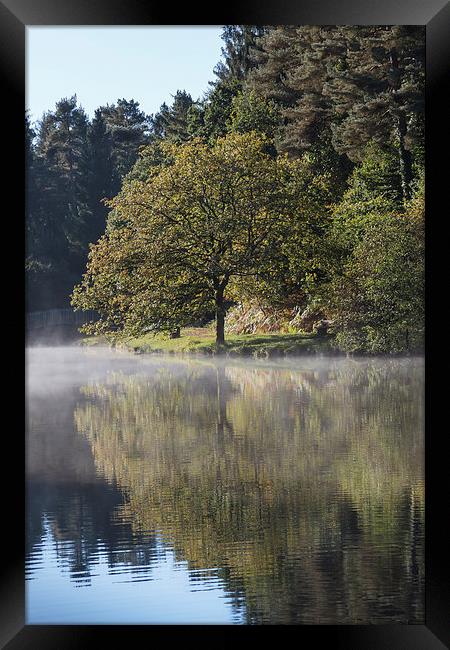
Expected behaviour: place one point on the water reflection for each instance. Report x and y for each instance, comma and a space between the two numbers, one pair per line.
292, 492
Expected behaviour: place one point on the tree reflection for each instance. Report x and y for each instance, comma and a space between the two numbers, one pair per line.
303, 488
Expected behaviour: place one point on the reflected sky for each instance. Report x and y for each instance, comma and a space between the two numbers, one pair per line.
161, 592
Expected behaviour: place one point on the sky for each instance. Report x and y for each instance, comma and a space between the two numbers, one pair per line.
103, 64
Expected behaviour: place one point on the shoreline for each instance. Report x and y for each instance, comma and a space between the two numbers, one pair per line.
202, 343
198, 342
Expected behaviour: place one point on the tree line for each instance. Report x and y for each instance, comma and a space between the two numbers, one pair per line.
296, 184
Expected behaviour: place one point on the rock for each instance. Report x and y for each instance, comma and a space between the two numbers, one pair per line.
321, 327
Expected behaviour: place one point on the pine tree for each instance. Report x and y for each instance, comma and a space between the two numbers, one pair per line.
217, 109
62, 213
171, 123
355, 84
101, 181
129, 129
379, 92
46, 243
240, 43
62, 146
274, 61
34, 262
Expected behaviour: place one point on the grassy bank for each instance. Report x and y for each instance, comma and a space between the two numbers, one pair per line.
202, 341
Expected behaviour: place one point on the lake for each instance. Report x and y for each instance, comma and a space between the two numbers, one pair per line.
176, 490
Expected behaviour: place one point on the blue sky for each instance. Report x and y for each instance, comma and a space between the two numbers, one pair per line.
102, 64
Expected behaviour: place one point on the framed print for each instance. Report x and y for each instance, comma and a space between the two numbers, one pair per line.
228, 404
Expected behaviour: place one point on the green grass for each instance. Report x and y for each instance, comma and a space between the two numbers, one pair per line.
89, 341
202, 341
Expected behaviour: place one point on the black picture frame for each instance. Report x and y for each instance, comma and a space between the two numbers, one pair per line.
15, 15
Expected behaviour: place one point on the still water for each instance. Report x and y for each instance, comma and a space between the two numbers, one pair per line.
164, 490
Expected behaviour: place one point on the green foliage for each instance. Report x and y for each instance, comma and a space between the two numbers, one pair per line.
359, 83
376, 296
73, 164
288, 186
215, 214
101, 180
211, 118
57, 203
250, 112
238, 54
373, 190
171, 122
129, 128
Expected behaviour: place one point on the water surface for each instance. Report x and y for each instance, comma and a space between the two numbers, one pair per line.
164, 490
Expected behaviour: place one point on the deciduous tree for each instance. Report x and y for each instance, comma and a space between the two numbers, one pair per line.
216, 213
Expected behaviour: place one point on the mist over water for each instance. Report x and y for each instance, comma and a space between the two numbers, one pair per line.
174, 490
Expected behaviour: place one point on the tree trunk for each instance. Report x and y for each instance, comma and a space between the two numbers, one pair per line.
405, 158
220, 318
175, 334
